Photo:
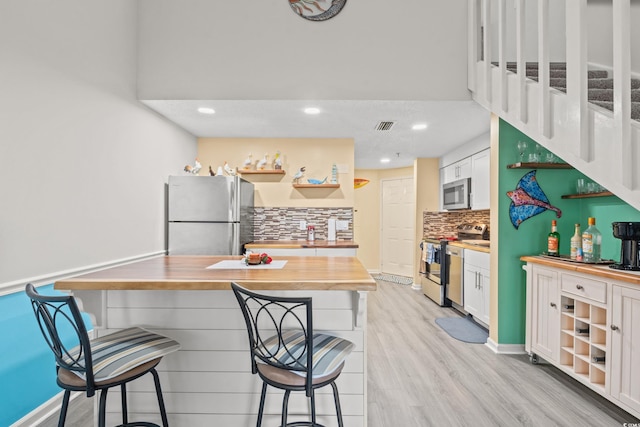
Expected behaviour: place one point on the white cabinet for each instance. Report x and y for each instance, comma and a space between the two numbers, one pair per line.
458, 170
543, 309
480, 180
624, 356
477, 286
476, 167
279, 252
587, 325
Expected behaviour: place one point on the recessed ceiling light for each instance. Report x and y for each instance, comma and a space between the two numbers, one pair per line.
312, 110
385, 160
419, 126
206, 110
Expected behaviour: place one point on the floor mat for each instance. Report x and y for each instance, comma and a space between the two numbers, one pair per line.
463, 329
392, 278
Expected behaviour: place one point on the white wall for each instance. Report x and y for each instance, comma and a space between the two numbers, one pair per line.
83, 163
372, 50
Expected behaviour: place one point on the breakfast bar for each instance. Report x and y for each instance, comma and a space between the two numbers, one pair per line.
188, 298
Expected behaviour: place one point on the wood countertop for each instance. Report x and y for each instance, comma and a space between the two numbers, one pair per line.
190, 273
299, 244
594, 269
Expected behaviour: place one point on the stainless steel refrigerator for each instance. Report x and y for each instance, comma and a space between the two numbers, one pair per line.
209, 215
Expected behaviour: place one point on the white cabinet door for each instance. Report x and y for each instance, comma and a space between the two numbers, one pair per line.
480, 180
544, 307
624, 356
458, 170
472, 295
464, 168
280, 252
477, 285
336, 251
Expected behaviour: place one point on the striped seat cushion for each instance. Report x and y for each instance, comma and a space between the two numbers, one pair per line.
119, 352
329, 352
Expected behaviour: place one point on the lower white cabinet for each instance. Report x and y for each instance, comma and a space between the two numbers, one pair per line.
589, 327
477, 284
624, 356
544, 308
305, 251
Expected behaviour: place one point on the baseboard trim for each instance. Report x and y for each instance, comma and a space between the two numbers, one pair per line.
505, 348
44, 411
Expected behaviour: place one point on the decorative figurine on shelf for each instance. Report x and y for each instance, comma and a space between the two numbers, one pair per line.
220, 171
334, 174
193, 169
316, 181
211, 172
298, 175
277, 161
262, 163
228, 170
248, 162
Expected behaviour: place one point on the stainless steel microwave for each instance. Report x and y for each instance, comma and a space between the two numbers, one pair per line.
455, 195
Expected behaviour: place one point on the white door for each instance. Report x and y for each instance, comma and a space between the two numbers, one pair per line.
397, 234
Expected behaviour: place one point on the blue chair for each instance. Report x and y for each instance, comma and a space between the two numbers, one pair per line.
102, 363
286, 353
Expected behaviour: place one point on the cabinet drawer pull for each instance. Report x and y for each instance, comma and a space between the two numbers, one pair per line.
579, 287
614, 328
553, 304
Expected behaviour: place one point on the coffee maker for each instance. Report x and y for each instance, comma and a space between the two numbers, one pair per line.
629, 233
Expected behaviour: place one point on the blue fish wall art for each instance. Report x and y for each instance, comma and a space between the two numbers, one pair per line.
528, 200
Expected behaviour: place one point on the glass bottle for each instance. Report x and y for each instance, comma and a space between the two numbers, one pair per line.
576, 244
553, 240
591, 241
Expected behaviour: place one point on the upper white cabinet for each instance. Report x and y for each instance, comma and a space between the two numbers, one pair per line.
457, 170
478, 168
480, 180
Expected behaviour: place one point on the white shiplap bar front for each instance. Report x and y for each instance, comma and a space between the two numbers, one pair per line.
208, 382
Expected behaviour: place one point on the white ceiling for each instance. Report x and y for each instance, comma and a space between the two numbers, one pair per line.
450, 124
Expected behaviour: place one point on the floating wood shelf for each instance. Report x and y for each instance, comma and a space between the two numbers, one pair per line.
521, 165
587, 195
316, 185
261, 172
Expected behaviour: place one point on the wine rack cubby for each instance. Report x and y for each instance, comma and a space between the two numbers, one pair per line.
583, 340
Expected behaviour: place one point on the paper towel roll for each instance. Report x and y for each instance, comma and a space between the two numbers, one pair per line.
331, 229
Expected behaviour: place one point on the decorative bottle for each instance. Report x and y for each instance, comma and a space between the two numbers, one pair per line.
334, 174
591, 241
576, 244
553, 241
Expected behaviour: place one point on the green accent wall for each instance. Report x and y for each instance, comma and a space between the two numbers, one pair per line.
531, 236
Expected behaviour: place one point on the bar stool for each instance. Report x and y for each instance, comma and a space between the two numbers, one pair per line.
286, 353
99, 364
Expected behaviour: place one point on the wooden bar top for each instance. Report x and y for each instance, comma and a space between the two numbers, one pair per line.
295, 244
190, 273
594, 269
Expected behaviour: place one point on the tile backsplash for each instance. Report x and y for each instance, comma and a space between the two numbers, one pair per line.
284, 223
443, 224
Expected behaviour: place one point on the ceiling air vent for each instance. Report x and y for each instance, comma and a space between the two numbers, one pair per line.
385, 125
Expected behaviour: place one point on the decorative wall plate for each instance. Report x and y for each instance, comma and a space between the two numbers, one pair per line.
317, 10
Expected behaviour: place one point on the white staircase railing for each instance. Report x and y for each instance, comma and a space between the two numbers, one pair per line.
603, 145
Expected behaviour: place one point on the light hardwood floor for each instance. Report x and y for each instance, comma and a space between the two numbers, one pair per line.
421, 377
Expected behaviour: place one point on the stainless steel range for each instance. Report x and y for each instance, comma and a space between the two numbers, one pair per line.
433, 266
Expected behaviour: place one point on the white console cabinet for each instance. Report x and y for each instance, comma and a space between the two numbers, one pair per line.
585, 320
477, 284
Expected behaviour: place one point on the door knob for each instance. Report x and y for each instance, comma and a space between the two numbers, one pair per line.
553, 304
614, 328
